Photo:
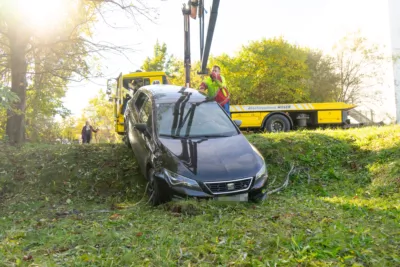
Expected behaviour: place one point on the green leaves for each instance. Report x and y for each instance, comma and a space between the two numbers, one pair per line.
7, 98
160, 61
267, 71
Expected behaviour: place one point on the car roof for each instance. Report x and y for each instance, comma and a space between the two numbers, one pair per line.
166, 93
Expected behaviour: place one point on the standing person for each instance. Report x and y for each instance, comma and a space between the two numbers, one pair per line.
87, 132
216, 88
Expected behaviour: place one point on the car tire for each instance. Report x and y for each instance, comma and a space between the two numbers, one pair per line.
277, 123
257, 197
157, 193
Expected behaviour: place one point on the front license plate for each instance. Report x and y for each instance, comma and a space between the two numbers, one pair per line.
237, 198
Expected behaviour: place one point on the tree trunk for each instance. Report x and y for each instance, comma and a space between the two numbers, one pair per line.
15, 128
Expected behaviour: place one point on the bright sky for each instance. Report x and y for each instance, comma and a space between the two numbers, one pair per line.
313, 23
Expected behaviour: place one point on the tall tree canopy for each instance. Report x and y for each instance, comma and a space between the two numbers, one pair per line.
47, 48
160, 61
324, 79
266, 71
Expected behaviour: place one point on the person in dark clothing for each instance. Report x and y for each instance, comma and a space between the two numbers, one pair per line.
87, 133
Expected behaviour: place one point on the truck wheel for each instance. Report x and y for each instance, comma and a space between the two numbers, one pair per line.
277, 123
156, 192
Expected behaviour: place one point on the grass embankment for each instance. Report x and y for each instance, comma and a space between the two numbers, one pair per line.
78, 206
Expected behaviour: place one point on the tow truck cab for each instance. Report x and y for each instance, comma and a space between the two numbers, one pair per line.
122, 88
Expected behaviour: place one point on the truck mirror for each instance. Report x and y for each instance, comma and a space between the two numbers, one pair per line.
109, 86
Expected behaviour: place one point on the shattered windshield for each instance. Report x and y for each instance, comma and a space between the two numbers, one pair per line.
186, 119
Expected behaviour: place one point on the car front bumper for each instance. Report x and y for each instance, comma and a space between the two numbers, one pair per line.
257, 188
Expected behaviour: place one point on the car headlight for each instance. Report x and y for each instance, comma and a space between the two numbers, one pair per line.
179, 180
262, 173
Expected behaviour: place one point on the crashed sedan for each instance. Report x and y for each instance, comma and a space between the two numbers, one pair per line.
187, 146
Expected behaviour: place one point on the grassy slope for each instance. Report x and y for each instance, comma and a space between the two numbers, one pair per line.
79, 206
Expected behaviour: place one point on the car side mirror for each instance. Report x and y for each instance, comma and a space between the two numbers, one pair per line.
142, 127
237, 122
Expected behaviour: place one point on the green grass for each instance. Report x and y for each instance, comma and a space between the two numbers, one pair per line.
83, 206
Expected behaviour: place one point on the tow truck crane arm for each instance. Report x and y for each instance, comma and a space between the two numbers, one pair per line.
190, 10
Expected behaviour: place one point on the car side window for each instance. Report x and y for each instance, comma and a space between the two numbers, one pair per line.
145, 113
140, 101
133, 100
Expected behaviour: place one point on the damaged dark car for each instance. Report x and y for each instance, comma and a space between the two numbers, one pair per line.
187, 146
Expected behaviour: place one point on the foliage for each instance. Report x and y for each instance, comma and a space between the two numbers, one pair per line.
83, 205
267, 71
323, 80
359, 66
101, 115
275, 71
60, 50
70, 129
177, 77
160, 61
173, 67
7, 98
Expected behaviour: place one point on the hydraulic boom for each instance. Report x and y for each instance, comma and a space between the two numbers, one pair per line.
190, 10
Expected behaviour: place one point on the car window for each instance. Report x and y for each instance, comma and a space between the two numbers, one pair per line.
140, 101
132, 101
191, 120
145, 112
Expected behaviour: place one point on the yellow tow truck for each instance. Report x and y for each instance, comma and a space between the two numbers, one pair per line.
122, 88
265, 117
286, 117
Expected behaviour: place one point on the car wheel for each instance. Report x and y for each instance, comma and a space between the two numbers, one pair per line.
257, 197
157, 193
277, 123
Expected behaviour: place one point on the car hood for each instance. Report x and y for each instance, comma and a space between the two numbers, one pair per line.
212, 159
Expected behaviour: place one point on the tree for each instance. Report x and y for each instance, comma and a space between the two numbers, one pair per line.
69, 129
173, 67
160, 61
70, 36
177, 73
101, 115
50, 69
7, 99
359, 65
323, 79
266, 71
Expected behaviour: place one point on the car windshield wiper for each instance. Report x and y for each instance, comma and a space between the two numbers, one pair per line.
211, 135
173, 136
201, 137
